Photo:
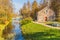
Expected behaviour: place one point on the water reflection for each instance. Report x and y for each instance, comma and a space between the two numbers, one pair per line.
17, 30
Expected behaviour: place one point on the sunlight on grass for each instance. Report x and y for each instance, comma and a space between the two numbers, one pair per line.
34, 31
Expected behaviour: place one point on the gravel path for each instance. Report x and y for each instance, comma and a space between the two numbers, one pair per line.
47, 25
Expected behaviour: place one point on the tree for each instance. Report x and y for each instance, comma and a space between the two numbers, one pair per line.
6, 8
28, 9
6, 11
42, 5
55, 5
34, 10
25, 11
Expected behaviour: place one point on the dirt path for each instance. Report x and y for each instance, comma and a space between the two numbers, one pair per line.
47, 25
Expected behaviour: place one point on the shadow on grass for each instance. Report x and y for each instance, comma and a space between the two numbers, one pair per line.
41, 36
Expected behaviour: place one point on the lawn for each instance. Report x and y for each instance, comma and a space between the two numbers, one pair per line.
33, 31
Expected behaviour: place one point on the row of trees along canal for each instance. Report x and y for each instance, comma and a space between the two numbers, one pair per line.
6, 12
30, 10
6, 9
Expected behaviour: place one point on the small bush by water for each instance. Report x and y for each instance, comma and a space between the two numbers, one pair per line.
26, 21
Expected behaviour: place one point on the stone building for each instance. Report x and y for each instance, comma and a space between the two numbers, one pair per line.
46, 14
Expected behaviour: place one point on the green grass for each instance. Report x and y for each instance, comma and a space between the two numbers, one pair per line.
33, 31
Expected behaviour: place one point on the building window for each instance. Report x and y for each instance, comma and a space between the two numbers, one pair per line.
46, 11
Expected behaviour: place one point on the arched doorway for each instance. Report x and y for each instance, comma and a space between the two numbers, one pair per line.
45, 18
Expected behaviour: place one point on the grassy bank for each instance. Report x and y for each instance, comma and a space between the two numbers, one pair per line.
34, 31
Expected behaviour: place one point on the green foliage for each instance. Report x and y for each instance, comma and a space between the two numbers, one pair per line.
26, 21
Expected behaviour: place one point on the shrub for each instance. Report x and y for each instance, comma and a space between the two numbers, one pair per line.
26, 20
8, 30
2, 22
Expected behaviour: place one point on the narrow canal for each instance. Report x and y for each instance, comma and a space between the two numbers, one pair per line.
17, 29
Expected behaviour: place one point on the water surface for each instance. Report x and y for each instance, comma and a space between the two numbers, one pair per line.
17, 29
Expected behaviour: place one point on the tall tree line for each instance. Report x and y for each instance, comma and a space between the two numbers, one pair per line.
30, 10
34, 8
55, 5
6, 11
6, 8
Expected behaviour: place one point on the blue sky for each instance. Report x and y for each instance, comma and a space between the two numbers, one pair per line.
18, 4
